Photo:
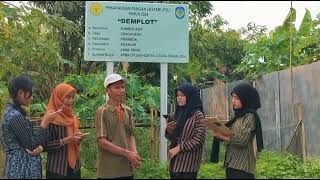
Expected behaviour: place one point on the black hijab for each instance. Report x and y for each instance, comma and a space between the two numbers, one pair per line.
250, 100
182, 114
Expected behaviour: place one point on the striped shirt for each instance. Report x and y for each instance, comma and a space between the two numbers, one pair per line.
239, 151
57, 159
19, 132
191, 144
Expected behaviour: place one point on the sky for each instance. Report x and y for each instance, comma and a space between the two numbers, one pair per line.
268, 13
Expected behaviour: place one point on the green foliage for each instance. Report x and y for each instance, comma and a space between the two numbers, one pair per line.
212, 171
3, 99
89, 152
306, 24
73, 44
273, 165
91, 93
29, 44
214, 52
143, 142
4, 95
272, 53
311, 168
140, 98
151, 170
270, 165
38, 109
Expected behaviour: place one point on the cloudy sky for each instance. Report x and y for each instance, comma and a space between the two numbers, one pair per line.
268, 13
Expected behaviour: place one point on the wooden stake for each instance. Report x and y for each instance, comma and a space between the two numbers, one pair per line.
291, 72
152, 135
303, 142
294, 133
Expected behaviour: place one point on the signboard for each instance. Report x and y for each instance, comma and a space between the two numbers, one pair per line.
136, 32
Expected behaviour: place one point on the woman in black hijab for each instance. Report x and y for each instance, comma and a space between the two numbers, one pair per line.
186, 133
240, 159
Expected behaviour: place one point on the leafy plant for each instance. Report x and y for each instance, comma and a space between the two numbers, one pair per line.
140, 98
151, 170
30, 45
3, 99
278, 165
272, 53
212, 171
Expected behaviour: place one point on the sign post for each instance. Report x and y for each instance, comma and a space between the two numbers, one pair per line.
163, 109
139, 32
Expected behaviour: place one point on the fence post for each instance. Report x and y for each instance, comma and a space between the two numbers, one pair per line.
157, 135
227, 101
303, 142
152, 135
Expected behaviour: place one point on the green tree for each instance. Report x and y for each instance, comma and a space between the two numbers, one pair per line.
272, 53
30, 45
72, 44
214, 52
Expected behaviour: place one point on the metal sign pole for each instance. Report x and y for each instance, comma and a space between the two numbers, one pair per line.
163, 110
109, 68
109, 71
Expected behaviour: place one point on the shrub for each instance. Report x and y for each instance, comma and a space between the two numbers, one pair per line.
212, 171
278, 165
152, 170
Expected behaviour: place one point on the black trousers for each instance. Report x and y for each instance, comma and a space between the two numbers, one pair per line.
70, 175
238, 174
182, 175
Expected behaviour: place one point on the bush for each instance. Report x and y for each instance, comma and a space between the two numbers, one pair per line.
311, 168
143, 142
212, 171
278, 165
151, 170
89, 153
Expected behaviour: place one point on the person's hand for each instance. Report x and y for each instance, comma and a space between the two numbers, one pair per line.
174, 151
49, 117
171, 126
83, 136
133, 158
136, 165
36, 151
75, 138
209, 121
221, 136
222, 129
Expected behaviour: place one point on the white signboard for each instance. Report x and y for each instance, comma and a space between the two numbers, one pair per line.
136, 32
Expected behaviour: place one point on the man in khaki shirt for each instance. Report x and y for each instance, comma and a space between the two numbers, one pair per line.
118, 154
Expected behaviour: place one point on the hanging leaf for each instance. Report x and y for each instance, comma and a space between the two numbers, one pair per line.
306, 24
290, 19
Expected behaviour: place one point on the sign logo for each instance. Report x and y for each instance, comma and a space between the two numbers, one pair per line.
96, 9
180, 12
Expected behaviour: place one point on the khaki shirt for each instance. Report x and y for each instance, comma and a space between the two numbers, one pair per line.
108, 126
239, 151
